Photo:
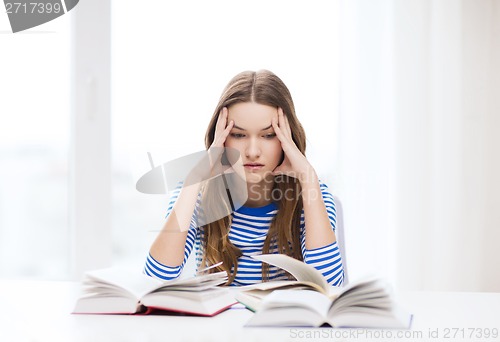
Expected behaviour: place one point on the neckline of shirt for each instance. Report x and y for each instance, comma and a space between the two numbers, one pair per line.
256, 211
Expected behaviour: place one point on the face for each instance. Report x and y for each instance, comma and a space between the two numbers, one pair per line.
253, 136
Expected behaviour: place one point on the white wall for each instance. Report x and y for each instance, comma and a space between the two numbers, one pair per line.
366, 136
419, 149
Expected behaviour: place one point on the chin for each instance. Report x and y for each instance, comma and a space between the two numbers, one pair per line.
255, 178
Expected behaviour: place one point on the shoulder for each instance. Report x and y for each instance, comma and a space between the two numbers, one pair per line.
325, 190
329, 199
323, 185
173, 193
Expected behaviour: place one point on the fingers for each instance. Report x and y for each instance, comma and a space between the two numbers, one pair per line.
212, 163
222, 129
280, 125
283, 123
228, 129
277, 129
221, 121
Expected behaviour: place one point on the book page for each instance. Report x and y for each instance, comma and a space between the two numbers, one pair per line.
250, 299
311, 300
197, 283
367, 302
252, 295
395, 318
286, 317
300, 270
368, 282
282, 284
207, 302
134, 282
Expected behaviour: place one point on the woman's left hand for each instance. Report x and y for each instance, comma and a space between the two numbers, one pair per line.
295, 164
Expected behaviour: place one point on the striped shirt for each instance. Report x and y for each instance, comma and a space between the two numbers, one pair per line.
247, 232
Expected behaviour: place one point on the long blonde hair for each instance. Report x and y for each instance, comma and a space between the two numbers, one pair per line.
262, 87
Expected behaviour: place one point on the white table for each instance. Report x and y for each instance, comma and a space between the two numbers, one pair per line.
40, 311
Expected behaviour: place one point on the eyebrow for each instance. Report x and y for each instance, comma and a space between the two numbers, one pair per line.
237, 127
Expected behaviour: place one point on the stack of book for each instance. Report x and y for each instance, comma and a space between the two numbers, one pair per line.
311, 301
121, 291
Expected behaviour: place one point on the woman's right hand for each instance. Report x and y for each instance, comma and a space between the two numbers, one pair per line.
210, 165
222, 129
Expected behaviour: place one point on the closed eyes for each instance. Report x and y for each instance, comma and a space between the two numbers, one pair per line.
241, 136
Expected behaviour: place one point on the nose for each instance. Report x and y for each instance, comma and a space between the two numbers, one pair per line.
252, 150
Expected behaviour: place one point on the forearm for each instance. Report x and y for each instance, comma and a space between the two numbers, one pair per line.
169, 246
320, 248
319, 231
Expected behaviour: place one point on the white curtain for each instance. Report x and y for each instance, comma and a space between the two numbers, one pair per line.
418, 142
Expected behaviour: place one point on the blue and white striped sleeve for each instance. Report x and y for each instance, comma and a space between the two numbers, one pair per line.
160, 271
326, 259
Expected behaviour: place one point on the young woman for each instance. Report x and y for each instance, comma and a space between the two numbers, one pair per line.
287, 209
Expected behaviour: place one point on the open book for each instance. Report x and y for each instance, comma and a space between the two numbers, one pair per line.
311, 301
120, 291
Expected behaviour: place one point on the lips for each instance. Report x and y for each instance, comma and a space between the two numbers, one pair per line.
253, 166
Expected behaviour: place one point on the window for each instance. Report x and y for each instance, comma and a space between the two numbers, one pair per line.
34, 143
